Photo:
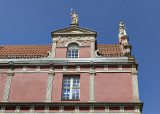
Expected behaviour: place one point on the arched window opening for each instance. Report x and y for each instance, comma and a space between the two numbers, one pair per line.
73, 51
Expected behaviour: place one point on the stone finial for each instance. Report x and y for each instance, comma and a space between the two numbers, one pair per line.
74, 18
122, 28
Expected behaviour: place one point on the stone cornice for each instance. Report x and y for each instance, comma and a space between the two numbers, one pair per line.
67, 61
82, 104
134, 72
10, 73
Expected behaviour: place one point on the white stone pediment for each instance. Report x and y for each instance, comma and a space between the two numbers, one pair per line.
74, 31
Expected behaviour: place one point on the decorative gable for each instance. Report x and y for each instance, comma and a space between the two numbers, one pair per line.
73, 30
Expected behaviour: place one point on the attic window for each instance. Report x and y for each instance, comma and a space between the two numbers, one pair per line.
73, 51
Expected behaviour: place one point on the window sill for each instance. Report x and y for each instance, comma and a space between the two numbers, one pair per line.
70, 99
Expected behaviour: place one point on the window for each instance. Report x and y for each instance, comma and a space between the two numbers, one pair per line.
73, 51
71, 88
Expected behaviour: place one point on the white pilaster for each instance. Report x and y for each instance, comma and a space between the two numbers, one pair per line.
17, 109
49, 86
46, 109
31, 109
92, 48
3, 109
121, 108
92, 86
76, 108
119, 67
135, 84
7, 87
91, 109
54, 43
106, 67
61, 109
106, 108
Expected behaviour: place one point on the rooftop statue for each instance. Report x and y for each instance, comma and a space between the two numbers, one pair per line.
122, 28
74, 17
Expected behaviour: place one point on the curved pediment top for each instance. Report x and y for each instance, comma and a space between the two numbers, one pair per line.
74, 30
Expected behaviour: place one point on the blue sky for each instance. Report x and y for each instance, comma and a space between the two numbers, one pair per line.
29, 22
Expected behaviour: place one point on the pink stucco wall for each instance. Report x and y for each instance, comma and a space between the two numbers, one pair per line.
84, 52
85, 68
127, 67
61, 53
10, 109
99, 67
57, 90
58, 68
3, 79
99, 109
71, 68
113, 87
115, 67
53, 109
31, 68
44, 68
28, 87
18, 68
4, 68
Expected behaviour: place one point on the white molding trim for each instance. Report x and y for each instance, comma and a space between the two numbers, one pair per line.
76, 108
17, 109
31, 109
98, 71
73, 41
106, 108
61, 109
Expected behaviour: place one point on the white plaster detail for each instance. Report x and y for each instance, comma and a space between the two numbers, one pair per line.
136, 109
46, 109
91, 109
54, 44
38, 68
61, 109
92, 49
31, 109
64, 68
7, 87
17, 109
119, 67
106, 108
128, 71
121, 108
134, 68
73, 41
92, 87
106, 67
135, 88
76, 108
51, 68
77, 68
24, 68
11, 69
2, 109
49, 87
91, 68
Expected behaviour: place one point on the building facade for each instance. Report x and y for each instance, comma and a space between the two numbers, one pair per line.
72, 75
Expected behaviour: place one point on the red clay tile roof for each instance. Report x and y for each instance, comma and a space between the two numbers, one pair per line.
38, 51
24, 51
110, 50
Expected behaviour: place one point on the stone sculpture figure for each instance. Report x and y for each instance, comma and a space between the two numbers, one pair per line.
74, 17
122, 28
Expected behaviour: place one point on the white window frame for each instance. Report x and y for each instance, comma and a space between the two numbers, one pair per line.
70, 48
71, 87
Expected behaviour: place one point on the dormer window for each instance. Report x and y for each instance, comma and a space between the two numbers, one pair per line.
73, 51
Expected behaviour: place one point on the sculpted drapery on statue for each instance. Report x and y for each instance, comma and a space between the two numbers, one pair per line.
122, 28
74, 17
